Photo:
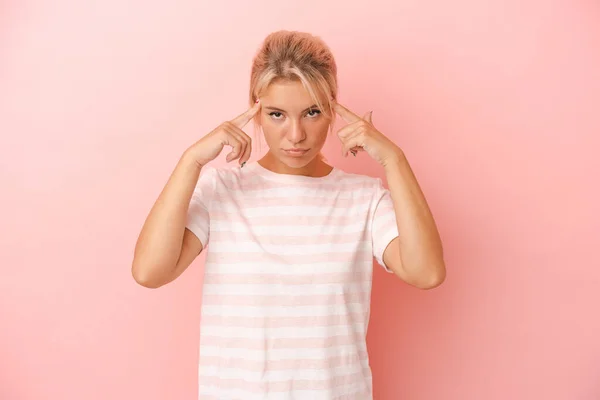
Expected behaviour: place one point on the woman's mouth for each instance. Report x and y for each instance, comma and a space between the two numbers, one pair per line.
294, 152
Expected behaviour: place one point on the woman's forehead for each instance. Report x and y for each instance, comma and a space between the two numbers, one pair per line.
289, 96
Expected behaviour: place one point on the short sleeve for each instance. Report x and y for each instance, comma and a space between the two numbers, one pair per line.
198, 217
383, 227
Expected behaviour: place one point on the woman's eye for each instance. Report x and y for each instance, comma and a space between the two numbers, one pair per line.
275, 114
313, 113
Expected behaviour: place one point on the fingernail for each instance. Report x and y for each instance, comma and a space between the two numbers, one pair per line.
257, 100
244, 163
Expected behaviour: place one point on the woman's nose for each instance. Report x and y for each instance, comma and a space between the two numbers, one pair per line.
296, 133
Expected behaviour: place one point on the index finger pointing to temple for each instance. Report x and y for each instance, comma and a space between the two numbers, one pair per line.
346, 114
241, 120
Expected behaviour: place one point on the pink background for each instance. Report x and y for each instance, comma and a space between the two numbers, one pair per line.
496, 104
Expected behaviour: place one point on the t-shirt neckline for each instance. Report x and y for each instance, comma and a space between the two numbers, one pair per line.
267, 173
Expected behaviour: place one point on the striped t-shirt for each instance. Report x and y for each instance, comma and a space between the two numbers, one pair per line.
287, 282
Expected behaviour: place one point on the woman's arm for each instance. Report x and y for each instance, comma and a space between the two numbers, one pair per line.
165, 248
416, 256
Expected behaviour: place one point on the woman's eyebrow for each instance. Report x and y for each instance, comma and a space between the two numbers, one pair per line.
279, 109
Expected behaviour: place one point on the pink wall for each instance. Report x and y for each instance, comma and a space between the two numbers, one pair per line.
496, 103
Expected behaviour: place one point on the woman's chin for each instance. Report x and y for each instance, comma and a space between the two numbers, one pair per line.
293, 161
297, 161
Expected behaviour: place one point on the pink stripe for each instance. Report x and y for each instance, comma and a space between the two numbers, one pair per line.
197, 209
385, 207
363, 200
282, 365
278, 343
387, 226
282, 386
216, 257
282, 322
285, 301
346, 186
338, 238
279, 220
273, 279
362, 394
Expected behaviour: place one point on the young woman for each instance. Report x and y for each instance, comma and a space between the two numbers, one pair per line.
288, 273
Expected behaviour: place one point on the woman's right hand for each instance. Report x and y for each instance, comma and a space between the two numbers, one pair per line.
229, 133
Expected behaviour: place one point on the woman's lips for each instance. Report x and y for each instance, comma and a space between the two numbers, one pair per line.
295, 152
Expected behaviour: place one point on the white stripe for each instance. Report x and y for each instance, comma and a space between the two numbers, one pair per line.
231, 393
278, 311
228, 332
225, 393
299, 268
289, 249
302, 211
347, 191
279, 354
237, 195
357, 226
245, 289
278, 376
214, 261
384, 224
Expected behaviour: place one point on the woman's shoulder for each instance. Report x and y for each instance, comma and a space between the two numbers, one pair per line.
220, 171
346, 177
234, 176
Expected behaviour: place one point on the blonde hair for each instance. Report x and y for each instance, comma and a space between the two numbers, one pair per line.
299, 56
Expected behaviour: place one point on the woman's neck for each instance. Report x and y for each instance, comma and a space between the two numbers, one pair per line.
315, 168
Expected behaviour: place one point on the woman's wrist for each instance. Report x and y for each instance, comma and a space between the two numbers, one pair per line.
188, 161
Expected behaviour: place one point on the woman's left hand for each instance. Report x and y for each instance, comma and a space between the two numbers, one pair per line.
361, 135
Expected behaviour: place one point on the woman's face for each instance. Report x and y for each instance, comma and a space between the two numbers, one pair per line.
294, 127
